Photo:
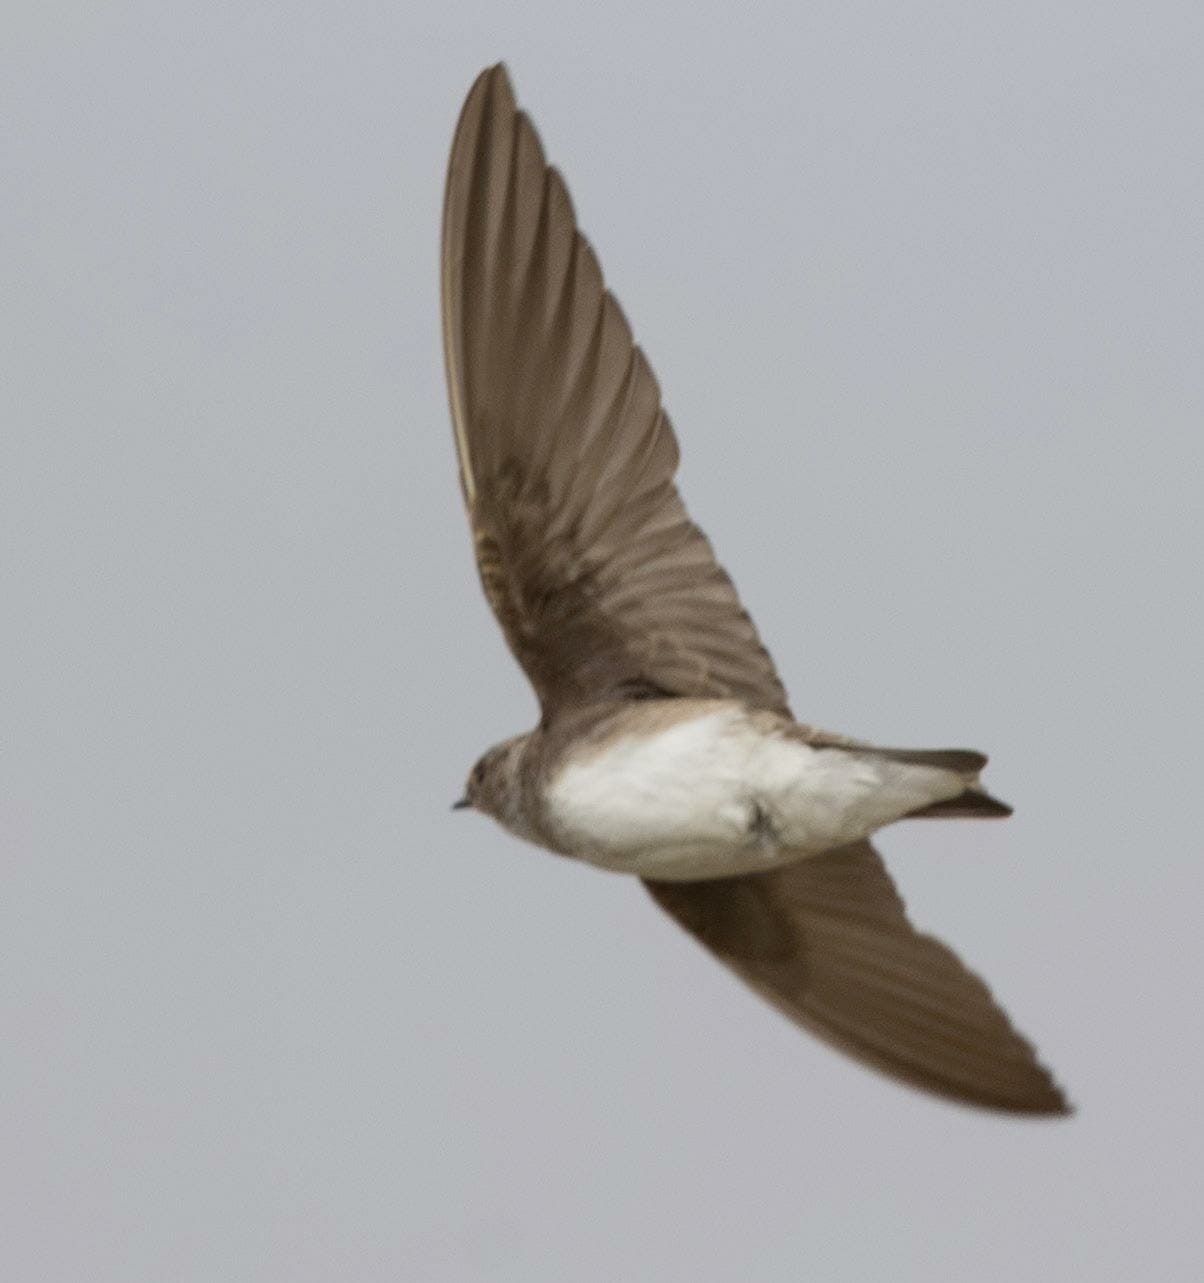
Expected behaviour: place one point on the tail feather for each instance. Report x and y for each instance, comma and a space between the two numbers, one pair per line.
965, 761
973, 804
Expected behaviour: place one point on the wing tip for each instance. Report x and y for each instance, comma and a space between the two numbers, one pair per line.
491, 80
496, 72
1048, 1105
494, 83
1041, 1097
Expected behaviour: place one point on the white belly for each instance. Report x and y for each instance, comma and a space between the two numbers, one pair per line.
719, 795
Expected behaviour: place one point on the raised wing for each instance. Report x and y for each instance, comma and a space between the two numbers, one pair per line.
827, 941
603, 586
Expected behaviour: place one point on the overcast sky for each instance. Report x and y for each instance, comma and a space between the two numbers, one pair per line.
924, 288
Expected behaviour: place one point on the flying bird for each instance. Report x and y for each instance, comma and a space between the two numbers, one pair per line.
666, 748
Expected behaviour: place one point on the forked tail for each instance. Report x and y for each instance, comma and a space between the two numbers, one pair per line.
974, 803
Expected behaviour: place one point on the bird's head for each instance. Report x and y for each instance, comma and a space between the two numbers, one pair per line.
493, 786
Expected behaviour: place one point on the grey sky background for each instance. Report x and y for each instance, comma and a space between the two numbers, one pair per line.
924, 287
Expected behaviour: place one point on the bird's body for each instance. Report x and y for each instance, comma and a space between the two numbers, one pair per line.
684, 789
666, 747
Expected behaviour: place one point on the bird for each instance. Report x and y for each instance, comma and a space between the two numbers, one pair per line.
666, 749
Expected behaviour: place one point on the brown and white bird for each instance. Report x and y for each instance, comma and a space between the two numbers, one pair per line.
666, 748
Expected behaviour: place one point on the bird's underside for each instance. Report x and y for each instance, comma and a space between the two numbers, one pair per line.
684, 789
611, 598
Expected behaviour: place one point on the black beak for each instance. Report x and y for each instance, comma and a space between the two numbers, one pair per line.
461, 804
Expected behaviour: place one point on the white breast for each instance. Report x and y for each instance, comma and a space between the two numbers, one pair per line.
651, 800
719, 794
